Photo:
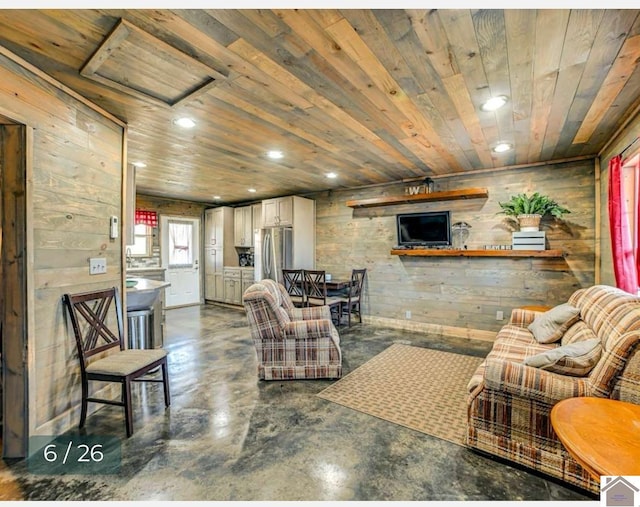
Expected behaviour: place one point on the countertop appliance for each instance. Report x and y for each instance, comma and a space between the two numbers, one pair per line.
245, 259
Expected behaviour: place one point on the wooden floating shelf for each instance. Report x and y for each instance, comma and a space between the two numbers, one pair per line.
449, 195
435, 252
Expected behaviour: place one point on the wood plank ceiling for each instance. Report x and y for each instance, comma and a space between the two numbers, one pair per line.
370, 95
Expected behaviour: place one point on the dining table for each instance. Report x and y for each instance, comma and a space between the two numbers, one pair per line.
337, 285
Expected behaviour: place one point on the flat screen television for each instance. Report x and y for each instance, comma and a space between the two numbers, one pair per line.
424, 229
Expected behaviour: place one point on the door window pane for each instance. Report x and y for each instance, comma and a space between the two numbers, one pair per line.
180, 244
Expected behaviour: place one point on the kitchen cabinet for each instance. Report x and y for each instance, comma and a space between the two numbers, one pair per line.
278, 212
243, 226
247, 277
219, 250
256, 214
232, 286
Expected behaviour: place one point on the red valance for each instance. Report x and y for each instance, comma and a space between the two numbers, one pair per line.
145, 217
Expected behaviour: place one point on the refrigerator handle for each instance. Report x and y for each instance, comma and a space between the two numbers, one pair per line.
266, 262
276, 264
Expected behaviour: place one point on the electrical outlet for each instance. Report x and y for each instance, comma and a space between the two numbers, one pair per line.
407, 314
97, 266
499, 315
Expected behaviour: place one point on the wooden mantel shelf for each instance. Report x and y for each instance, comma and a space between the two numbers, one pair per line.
449, 195
436, 252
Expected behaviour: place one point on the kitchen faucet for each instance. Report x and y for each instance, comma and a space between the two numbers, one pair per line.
129, 257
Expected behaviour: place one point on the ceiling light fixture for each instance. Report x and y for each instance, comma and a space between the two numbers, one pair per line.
217, 197
275, 154
502, 147
139, 164
494, 103
252, 190
185, 123
332, 175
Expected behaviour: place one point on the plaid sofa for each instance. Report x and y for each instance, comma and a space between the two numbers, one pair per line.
291, 343
509, 403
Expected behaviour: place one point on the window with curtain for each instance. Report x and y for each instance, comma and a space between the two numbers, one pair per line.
180, 244
624, 220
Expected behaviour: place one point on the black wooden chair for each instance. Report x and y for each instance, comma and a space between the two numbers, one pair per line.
352, 300
315, 289
292, 279
98, 329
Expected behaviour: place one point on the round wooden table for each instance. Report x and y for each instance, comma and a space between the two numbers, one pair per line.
602, 435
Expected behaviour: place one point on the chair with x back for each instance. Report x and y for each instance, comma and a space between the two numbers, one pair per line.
352, 301
96, 318
292, 280
315, 289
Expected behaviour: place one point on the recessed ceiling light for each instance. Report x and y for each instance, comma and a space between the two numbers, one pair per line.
494, 103
252, 190
275, 154
332, 175
502, 147
185, 123
139, 164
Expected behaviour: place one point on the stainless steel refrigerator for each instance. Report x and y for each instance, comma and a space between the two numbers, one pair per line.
273, 252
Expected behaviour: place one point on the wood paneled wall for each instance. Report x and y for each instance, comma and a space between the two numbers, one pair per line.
76, 159
171, 207
462, 293
625, 137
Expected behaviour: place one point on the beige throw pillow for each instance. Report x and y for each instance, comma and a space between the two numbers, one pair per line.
549, 326
576, 359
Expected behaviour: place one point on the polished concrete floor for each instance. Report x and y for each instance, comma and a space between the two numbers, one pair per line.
228, 436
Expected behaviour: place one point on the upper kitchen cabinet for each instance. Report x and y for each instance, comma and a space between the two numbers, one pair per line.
278, 212
243, 226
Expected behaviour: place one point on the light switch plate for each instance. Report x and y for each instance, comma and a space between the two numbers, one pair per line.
97, 266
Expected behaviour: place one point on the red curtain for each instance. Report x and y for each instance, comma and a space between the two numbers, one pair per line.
625, 265
144, 217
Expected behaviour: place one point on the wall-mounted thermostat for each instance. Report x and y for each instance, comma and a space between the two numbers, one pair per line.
114, 229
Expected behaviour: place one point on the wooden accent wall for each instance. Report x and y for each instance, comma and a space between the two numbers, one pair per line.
616, 146
463, 293
76, 160
171, 207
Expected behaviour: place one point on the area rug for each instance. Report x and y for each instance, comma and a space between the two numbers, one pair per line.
421, 389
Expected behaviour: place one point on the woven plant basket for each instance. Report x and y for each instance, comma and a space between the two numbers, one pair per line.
529, 222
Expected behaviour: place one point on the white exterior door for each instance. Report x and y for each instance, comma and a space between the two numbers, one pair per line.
180, 253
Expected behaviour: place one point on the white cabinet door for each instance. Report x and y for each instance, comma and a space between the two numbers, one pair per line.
270, 213
277, 212
243, 226
285, 211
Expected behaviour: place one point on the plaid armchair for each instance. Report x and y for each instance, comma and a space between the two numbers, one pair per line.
510, 403
291, 343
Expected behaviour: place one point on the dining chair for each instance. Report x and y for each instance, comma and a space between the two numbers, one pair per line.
292, 279
315, 289
96, 318
352, 301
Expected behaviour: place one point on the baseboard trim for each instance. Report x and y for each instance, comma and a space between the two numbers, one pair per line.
424, 327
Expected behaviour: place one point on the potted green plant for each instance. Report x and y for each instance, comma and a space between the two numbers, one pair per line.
529, 209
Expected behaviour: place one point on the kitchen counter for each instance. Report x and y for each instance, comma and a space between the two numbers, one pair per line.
146, 284
145, 293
